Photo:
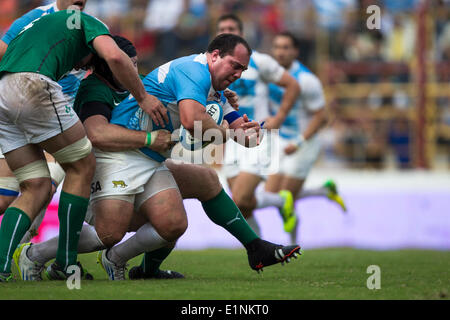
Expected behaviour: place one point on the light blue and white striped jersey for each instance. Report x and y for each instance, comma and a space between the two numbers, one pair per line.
71, 82
310, 100
252, 86
183, 78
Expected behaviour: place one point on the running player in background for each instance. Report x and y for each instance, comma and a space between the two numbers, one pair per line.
9, 186
244, 175
299, 144
42, 53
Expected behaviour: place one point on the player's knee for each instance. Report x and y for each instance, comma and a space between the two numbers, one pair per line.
77, 158
109, 239
5, 201
174, 227
40, 188
211, 185
74, 152
242, 200
83, 168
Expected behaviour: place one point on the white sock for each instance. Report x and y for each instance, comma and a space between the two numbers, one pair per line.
254, 225
318, 192
268, 199
145, 239
45, 251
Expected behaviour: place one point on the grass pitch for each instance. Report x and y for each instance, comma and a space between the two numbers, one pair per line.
225, 275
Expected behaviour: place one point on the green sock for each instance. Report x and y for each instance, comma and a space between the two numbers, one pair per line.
71, 213
15, 224
223, 211
152, 260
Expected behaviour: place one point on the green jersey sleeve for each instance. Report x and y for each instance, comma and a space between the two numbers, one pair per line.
92, 89
92, 28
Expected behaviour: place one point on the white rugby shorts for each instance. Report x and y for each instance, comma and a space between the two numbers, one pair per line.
32, 109
128, 175
259, 160
298, 164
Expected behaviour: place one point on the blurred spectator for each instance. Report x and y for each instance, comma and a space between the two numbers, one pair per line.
376, 146
111, 12
400, 42
354, 142
179, 26
336, 17
300, 18
443, 138
400, 141
443, 43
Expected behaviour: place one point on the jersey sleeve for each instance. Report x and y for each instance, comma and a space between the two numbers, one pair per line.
269, 69
312, 92
191, 81
20, 23
95, 108
92, 28
90, 92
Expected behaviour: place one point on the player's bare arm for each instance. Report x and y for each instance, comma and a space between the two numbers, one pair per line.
3, 47
192, 111
110, 137
123, 69
291, 93
318, 120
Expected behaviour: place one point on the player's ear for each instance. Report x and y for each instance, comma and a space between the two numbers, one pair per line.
215, 55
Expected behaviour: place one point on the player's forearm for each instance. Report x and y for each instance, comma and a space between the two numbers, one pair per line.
315, 124
110, 137
289, 97
207, 123
193, 117
124, 71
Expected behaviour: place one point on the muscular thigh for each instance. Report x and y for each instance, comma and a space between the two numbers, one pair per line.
164, 210
5, 171
23, 156
71, 135
195, 181
244, 185
112, 216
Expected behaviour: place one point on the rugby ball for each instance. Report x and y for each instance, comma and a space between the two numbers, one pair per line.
192, 143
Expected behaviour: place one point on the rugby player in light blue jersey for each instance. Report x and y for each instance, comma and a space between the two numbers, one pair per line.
299, 144
184, 86
245, 168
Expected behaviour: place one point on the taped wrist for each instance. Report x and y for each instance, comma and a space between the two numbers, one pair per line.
151, 138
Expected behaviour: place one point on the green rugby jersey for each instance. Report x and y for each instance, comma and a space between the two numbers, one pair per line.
92, 89
53, 44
